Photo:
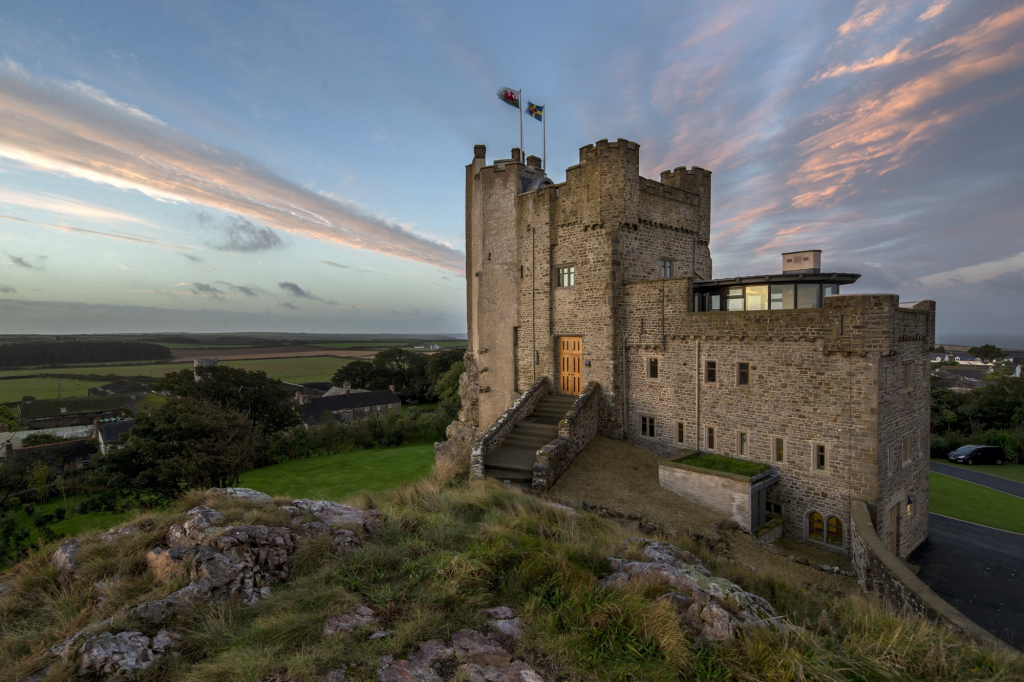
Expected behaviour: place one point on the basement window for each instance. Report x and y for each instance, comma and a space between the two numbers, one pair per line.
647, 427
567, 276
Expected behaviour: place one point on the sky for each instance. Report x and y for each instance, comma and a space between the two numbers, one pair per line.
300, 166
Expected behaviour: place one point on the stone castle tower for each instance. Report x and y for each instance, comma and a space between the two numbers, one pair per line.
592, 310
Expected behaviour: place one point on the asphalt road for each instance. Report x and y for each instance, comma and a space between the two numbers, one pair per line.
979, 570
965, 473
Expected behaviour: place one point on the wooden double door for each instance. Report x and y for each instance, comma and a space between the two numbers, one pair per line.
570, 364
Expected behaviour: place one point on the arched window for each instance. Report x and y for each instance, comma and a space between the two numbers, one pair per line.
835, 531
815, 527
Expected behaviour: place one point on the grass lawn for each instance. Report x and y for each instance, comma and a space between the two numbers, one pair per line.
79, 523
340, 476
969, 502
1009, 471
119, 369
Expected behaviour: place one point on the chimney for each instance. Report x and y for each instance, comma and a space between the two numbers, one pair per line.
300, 397
96, 428
346, 388
533, 161
802, 262
391, 388
517, 155
479, 151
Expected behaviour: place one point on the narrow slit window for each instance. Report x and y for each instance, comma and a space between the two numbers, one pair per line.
743, 374
780, 450
908, 444
680, 432
652, 368
820, 458
710, 372
908, 375
741, 444
710, 440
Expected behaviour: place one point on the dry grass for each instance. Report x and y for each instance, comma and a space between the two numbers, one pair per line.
447, 549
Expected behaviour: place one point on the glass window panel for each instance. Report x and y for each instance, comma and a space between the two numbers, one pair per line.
783, 297
807, 296
714, 302
733, 304
829, 289
757, 297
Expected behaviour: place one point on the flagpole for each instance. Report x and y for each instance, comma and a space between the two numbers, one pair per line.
522, 152
544, 137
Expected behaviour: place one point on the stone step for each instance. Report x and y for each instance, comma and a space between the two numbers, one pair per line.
535, 427
522, 440
513, 476
510, 458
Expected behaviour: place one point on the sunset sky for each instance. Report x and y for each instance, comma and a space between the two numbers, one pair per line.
299, 166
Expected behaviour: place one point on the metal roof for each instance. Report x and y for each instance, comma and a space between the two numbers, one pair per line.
788, 278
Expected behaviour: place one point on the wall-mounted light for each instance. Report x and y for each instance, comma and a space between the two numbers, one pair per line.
586, 363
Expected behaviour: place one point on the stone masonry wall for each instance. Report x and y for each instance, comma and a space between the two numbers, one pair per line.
727, 495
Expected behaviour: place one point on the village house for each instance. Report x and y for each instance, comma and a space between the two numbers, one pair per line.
351, 406
592, 308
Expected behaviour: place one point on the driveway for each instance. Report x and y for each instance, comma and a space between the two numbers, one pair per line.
965, 473
979, 570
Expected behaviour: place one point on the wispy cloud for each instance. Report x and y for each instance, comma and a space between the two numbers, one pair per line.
28, 262
298, 292
207, 290
250, 290
333, 264
76, 130
243, 236
67, 207
7, 289
289, 305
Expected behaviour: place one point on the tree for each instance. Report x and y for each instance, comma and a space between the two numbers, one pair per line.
187, 443
447, 388
356, 373
9, 417
254, 394
988, 352
14, 477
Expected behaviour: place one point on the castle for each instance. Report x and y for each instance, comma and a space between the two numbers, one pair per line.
592, 309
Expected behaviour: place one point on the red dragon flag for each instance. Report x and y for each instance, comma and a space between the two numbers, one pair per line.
509, 96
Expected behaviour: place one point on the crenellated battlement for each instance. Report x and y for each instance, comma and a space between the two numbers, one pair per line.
696, 180
604, 148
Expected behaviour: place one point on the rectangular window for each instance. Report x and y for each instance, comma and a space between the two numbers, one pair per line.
680, 432
709, 372
757, 297
652, 368
780, 449
741, 444
710, 440
807, 296
734, 298
908, 375
647, 427
743, 374
783, 296
567, 276
666, 269
908, 444
829, 290
773, 507
820, 458
712, 301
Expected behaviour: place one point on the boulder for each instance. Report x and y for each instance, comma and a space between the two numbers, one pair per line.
504, 621
347, 622
472, 647
243, 494
63, 558
244, 561
420, 666
194, 529
125, 652
335, 514
168, 565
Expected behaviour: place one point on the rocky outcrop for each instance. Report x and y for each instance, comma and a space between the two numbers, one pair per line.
347, 622
123, 653
472, 656
125, 531
334, 514
63, 558
713, 609
245, 561
504, 621
169, 565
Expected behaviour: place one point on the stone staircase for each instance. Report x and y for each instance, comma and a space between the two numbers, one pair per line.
513, 460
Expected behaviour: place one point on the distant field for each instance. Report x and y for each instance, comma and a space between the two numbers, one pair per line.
12, 390
294, 370
203, 346
342, 345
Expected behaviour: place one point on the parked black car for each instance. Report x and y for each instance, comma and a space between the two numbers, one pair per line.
978, 454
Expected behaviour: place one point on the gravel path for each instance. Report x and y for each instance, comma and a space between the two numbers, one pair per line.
623, 478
